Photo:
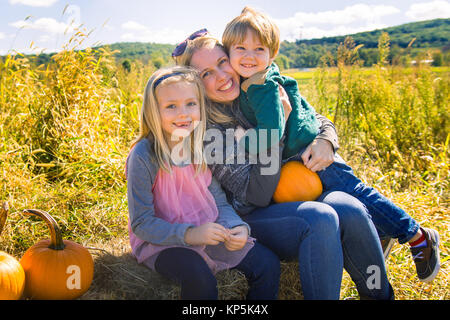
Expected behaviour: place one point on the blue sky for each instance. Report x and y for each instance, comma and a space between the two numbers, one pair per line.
45, 25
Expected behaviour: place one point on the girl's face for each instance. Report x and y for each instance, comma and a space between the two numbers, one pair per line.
179, 108
220, 80
250, 56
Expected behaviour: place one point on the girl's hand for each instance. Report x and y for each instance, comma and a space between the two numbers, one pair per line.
238, 238
318, 155
286, 103
207, 234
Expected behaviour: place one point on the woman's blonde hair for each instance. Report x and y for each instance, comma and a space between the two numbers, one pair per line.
215, 112
262, 24
150, 118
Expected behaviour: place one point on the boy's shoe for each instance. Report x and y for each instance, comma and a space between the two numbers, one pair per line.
386, 245
427, 258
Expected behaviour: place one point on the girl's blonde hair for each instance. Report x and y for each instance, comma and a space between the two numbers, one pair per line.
215, 111
262, 24
150, 118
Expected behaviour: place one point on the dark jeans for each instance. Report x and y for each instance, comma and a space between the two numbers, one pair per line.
260, 266
325, 236
389, 219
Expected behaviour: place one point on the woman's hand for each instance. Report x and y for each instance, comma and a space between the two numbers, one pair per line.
318, 155
207, 234
238, 238
286, 103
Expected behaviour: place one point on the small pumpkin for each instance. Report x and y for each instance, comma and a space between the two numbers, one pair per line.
56, 269
12, 276
297, 183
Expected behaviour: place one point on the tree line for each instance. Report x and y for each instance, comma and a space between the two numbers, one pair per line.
409, 43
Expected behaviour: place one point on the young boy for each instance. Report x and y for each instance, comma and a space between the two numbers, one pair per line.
252, 41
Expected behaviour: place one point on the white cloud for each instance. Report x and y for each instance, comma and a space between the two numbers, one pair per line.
141, 33
347, 15
304, 25
429, 10
134, 26
2, 35
314, 32
49, 25
45, 38
34, 3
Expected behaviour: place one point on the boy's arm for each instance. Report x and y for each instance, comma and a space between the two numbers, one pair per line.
262, 96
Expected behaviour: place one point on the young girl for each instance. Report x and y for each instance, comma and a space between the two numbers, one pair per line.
180, 223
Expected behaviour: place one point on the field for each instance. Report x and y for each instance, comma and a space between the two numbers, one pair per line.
66, 128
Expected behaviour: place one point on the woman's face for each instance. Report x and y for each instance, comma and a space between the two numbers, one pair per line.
220, 80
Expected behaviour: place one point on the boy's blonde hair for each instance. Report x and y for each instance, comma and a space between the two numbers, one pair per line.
262, 24
214, 111
150, 118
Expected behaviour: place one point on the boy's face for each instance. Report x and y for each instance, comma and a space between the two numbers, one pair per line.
250, 56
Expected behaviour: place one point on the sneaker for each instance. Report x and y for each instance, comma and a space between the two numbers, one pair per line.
427, 258
386, 245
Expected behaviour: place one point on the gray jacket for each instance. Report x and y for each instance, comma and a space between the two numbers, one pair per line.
141, 174
243, 184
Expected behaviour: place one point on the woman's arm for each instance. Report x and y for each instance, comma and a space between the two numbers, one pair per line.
245, 182
320, 153
327, 131
227, 215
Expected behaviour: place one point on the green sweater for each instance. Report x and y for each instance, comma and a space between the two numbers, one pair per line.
261, 104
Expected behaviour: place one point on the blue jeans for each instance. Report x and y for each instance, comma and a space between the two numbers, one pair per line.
389, 219
260, 266
324, 236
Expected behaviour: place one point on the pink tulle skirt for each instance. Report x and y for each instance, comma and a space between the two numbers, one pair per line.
183, 197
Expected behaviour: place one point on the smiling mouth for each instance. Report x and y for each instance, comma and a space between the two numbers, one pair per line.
248, 65
226, 86
182, 124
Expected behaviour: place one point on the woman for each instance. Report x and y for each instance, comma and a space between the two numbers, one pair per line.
324, 235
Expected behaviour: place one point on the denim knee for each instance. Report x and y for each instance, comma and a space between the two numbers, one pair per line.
323, 218
351, 211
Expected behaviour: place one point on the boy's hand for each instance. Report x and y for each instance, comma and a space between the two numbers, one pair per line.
207, 234
238, 238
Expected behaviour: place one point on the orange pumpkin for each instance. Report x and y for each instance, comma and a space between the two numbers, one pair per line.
12, 276
297, 183
56, 268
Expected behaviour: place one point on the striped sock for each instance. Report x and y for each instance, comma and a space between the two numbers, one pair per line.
421, 242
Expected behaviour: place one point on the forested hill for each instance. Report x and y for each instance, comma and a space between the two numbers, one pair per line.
428, 34
424, 38
432, 36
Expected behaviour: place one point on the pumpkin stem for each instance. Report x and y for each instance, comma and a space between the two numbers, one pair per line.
3, 215
56, 240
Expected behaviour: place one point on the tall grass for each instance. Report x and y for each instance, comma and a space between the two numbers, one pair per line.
394, 131
399, 117
65, 131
